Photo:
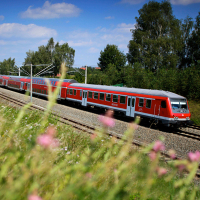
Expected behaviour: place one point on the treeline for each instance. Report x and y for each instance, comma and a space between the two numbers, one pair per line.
184, 82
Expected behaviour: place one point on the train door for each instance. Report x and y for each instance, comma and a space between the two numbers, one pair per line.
6, 82
157, 109
130, 106
84, 98
22, 84
28, 88
59, 93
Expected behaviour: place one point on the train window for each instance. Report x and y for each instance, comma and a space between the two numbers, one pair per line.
101, 96
96, 95
115, 98
163, 104
108, 97
89, 94
122, 99
42, 91
74, 92
71, 91
133, 102
68, 91
80, 93
141, 101
148, 103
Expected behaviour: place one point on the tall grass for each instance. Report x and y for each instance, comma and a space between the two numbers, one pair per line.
42, 159
195, 111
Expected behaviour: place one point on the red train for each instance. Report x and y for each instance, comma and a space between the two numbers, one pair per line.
163, 106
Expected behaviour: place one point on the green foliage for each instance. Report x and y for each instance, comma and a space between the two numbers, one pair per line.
195, 111
7, 66
194, 42
156, 37
111, 55
50, 54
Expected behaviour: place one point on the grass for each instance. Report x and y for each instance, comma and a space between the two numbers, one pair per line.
81, 168
195, 111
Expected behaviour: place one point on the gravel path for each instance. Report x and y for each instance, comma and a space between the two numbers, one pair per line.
143, 135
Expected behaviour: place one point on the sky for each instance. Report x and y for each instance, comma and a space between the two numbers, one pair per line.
86, 25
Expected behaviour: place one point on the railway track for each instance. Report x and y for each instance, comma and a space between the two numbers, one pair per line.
77, 124
194, 127
82, 126
194, 136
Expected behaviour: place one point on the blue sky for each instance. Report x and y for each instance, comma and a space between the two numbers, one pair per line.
86, 25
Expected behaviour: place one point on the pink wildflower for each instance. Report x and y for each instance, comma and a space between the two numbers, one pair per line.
152, 155
34, 197
181, 167
88, 175
107, 120
133, 126
172, 154
158, 146
194, 157
47, 140
93, 136
161, 171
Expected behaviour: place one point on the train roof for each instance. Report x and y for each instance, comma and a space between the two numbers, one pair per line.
130, 90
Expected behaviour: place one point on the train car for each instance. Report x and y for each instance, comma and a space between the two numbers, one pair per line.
162, 106
39, 85
4, 80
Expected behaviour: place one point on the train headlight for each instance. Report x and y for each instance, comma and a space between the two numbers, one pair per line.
187, 118
175, 118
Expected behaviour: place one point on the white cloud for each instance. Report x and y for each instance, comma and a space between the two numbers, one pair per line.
109, 17
94, 50
1, 17
78, 34
132, 1
184, 2
49, 11
123, 27
2, 42
79, 43
25, 31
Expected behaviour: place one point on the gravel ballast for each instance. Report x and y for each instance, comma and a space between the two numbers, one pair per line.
143, 135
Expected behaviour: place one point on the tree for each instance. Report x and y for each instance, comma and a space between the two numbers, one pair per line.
7, 66
186, 28
63, 53
156, 37
50, 54
112, 55
194, 42
112, 75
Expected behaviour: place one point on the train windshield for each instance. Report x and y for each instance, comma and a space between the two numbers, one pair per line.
179, 105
